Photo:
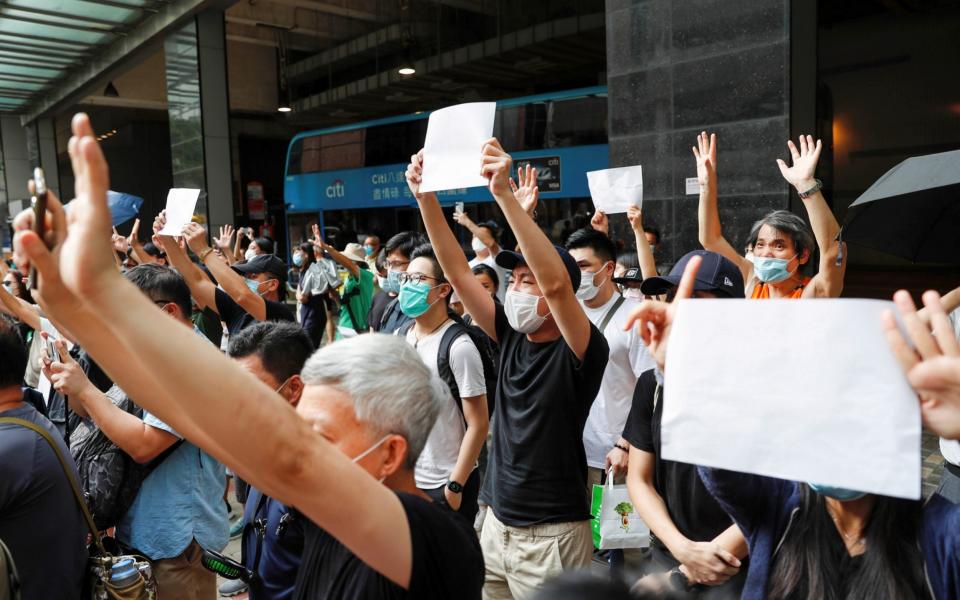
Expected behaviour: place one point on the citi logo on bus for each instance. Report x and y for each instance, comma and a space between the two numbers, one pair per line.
336, 189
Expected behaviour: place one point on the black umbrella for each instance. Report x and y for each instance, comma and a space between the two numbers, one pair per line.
913, 211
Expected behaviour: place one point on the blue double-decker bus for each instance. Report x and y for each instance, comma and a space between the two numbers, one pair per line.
350, 178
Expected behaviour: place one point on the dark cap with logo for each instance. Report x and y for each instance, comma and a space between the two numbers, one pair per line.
263, 263
509, 260
629, 276
716, 274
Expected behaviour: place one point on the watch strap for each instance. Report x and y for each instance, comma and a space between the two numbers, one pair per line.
817, 186
454, 487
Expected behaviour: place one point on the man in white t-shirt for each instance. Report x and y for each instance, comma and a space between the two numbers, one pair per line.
486, 248
447, 467
605, 448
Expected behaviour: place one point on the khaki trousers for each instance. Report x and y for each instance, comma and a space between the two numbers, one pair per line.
183, 577
519, 560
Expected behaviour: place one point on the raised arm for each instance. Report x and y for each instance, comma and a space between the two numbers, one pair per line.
538, 252
203, 290
710, 233
20, 309
223, 244
233, 283
335, 254
450, 255
828, 282
287, 461
648, 265
139, 253
479, 232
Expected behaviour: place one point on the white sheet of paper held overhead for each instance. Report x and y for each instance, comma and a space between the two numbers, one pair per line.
802, 390
452, 150
181, 203
613, 190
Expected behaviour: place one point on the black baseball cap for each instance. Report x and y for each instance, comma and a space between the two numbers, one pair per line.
509, 260
629, 276
716, 274
263, 263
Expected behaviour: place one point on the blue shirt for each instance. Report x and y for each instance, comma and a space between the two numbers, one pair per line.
180, 501
280, 550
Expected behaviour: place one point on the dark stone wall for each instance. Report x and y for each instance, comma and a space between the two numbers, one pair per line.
677, 67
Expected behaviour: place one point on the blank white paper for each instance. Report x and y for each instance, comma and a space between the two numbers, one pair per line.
452, 150
613, 190
805, 390
181, 203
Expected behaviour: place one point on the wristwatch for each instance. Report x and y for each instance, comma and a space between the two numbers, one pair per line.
204, 253
678, 581
620, 446
818, 185
454, 487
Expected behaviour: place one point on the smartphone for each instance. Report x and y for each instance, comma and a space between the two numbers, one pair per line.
52, 350
458, 207
39, 216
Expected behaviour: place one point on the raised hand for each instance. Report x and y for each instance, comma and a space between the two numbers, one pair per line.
600, 222
226, 235
635, 216
496, 166
414, 173
462, 218
196, 237
81, 266
932, 365
706, 154
527, 192
800, 175
120, 243
133, 239
654, 318
65, 374
317, 240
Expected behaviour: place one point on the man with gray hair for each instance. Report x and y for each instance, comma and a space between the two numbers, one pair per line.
781, 241
382, 424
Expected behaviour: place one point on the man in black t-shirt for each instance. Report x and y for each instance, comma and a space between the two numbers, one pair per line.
382, 424
40, 520
389, 318
251, 292
693, 537
552, 360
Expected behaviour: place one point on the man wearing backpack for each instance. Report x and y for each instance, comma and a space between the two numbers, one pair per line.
398, 251
179, 508
447, 467
40, 521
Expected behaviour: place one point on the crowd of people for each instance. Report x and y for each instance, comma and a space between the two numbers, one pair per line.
423, 425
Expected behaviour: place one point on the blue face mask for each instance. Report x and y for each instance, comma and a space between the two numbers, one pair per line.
254, 285
298, 259
368, 250
771, 270
413, 299
837, 493
392, 284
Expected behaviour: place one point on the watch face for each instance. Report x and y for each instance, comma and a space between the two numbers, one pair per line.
455, 487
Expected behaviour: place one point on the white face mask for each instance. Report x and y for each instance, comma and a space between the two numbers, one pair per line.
521, 310
477, 245
381, 281
250, 254
632, 293
367, 452
588, 290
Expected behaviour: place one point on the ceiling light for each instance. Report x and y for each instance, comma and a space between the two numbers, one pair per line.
407, 70
284, 109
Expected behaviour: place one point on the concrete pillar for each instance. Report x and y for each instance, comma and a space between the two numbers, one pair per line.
17, 170
677, 68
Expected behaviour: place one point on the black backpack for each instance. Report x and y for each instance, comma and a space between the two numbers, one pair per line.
109, 478
484, 346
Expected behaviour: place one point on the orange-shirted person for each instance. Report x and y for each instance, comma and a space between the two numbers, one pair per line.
782, 241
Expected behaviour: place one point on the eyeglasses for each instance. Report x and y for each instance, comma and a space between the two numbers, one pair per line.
163, 302
413, 277
396, 264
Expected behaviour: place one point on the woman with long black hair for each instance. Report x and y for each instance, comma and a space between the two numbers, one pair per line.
314, 284
810, 542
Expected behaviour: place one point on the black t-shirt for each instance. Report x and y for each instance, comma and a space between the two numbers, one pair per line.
393, 318
238, 319
39, 518
377, 306
538, 468
693, 510
447, 562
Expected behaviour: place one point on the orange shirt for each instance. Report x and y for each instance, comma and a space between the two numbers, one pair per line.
762, 292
